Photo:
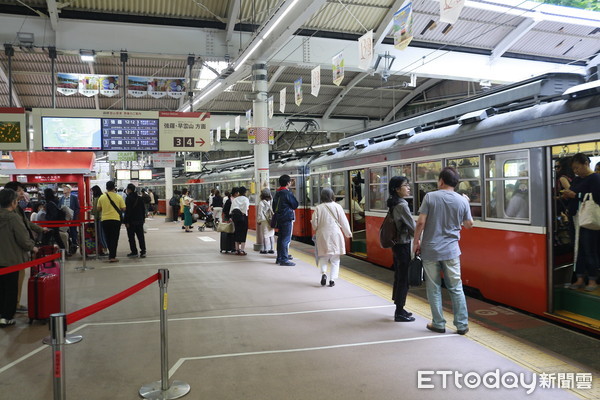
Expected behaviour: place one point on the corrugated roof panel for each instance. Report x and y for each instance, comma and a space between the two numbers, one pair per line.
557, 45
349, 18
168, 8
257, 12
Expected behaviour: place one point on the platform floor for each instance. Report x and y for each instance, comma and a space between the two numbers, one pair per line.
245, 328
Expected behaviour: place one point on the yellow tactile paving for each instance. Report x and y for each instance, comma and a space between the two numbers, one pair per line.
521, 353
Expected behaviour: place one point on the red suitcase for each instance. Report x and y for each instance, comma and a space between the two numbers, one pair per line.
43, 296
50, 267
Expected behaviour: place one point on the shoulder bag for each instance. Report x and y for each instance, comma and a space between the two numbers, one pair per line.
589, 213
226, 227
273, 222
415, 271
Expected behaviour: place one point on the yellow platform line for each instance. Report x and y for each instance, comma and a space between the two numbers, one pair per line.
524, 354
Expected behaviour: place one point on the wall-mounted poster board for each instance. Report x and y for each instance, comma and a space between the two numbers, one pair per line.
13, 129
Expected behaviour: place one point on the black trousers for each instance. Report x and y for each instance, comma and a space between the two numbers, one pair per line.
240, 222
136, 229
112, 230
401, 260
175, 212
9, 288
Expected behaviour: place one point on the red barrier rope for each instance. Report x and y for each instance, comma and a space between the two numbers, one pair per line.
94, 308
29, 264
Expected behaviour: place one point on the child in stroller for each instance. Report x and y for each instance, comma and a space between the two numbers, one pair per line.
205, 214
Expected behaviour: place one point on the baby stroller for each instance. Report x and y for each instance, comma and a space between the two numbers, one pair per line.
205, 214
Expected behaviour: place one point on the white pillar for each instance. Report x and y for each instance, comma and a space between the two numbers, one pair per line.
168, 192
260, 120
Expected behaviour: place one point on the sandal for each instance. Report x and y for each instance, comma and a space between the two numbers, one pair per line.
241, 253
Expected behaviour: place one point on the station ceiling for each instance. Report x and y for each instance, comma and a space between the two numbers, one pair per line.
491, 43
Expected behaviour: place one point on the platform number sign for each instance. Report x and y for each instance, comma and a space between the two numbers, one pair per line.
183, 141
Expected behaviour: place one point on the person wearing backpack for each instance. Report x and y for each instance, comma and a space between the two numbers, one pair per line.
174, 204
399, 188
111, 205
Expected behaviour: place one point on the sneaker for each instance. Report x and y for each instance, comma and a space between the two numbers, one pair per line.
132, 255
263, 252
290, 257
437, 330
6, 322
323, 280
331, 283
143, 254
462, 331
287, 264
590, 288
271, 252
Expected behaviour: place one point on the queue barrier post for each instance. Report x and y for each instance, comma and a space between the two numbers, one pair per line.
58, 328
69, 337
161, 390
82, 249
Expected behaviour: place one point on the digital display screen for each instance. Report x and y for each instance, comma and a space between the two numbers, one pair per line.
66, 133
145, 174
123, 174
129, 134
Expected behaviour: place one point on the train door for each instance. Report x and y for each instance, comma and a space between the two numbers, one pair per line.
577, 304
357, 201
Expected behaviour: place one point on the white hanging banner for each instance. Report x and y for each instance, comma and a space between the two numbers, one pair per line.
365, 50
337, 63
212, 138
315, 80
282, 94
270, 106
249, 118
403, 26
450, 10
298, 91
227, 129
89, 85
218, 134
237, 125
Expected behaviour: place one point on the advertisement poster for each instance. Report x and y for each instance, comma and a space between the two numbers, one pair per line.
298, 91
137, 86
270, 106
89, 85
183, 131
67, 84
109, 85
402, 29
176, 87
13, 129
282, 94
315, 80
252, 135
365, 51
164, 160
337, 63
450, 10
157, 87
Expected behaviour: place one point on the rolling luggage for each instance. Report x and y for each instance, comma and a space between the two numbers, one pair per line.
43, 296
49, 267
227, 242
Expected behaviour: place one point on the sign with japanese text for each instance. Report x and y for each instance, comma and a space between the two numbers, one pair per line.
122, 156
164, 160
365, 50
183, 131
315, 80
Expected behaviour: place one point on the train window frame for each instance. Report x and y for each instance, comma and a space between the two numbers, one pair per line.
473, 205
385, 176
513, 155
411, 167
417, 200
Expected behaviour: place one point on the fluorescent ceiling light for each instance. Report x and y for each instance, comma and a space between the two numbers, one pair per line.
249, 54
285, 12
199, 99
87, 55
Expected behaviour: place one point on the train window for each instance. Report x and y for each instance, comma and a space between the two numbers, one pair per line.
339, 188
427, 177
315, 189
507, 186
470, 180
405, 170
378, 183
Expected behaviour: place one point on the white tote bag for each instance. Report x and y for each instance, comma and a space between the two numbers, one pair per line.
589, 213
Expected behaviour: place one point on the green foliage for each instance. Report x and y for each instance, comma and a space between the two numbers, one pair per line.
593, 5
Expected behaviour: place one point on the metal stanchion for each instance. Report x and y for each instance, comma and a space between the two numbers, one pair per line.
69, 338
161, 390
82, 248
58, 327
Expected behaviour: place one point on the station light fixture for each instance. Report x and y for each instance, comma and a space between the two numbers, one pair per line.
87, 55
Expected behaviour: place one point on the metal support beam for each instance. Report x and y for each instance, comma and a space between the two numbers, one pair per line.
355, 81
53, 13
513, 37
232, 14
13, 98
52, 56
124, 59
418, 90
93, 72
275, 76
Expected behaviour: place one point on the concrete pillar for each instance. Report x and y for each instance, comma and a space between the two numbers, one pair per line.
260, 120
168, 192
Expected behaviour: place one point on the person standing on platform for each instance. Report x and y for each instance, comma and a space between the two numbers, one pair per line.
217, 206
111, 205
331, 227
239, 216
264, 213
153, 208
135, 214
96, 193
70, 200
187, 203
284, 205
399, 188
440, 217
15, 246
174, 204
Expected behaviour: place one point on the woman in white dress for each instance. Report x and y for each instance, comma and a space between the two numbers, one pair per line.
264, 215
331, 227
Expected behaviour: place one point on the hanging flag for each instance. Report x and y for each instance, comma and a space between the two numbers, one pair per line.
157, 87
270, 106
249, 118
176, 87
402, 29
298, 91
282, 95
212, 137
227, 129
338, 68
109, 85
137, 86
450, 10
315, 80
237, 125
218, 134
365, 50
67, 84
89, 85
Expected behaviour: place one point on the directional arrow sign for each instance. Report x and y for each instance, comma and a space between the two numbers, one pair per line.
183, 131
201, 141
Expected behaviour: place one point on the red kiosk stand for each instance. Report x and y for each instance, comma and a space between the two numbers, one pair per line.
40, 169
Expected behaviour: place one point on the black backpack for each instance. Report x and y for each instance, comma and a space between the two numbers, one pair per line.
174, 201
388, 233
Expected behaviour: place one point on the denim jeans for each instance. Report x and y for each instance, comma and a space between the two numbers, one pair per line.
433, 284
284, 238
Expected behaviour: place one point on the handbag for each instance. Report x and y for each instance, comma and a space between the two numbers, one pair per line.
589, 213
273, 221
415, 271
226, 227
